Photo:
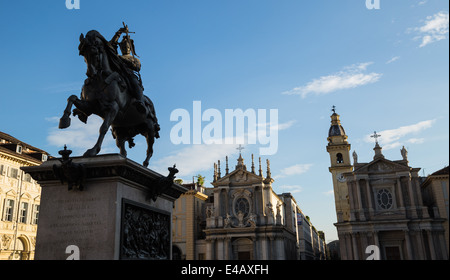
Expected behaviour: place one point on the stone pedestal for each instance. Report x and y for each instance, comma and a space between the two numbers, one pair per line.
123, 211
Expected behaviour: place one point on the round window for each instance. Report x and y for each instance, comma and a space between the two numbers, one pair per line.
384, 199
242, 205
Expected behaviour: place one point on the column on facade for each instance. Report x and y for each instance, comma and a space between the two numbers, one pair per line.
352, 200
255, 248
362, 216
220, 248
369, 196
376, 240
264, 249
349, 246
355, 246
272, 245
227, 248
401, 202
431, 244
210, 250
279, 241
364, 239
416, 187
420, 249
412, 198
409, 251
443, 244
343, 245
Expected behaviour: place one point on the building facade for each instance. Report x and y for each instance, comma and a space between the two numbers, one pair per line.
242, 218
379, 205
188, 223
435, 195
247, 220
19, 198
312, 244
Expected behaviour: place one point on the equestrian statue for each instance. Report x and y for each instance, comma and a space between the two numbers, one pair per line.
113, 90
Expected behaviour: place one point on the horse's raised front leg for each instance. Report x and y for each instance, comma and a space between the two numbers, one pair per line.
64, 122
107, 121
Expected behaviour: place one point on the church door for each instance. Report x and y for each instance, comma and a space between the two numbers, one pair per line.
393, 253
243, 249
244, 255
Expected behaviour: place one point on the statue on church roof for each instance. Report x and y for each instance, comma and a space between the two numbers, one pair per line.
355, 157
404, 153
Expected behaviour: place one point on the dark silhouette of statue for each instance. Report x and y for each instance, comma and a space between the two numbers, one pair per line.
113, 90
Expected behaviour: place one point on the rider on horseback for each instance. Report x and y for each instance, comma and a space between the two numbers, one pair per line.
133, 65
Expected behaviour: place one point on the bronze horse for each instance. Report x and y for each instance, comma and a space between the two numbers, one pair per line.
106, 93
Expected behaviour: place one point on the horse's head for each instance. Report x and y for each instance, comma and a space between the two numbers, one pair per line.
91, 47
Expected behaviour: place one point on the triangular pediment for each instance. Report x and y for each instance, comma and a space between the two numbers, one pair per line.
239, 177
381, 165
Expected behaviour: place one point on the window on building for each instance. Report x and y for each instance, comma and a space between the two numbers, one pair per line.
23, 212
27, 178
2, 169
13, 173
339, 158
242, 205
35, 214
9, 210
384, 199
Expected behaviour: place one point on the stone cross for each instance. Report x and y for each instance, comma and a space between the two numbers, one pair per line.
240, 148
376, 136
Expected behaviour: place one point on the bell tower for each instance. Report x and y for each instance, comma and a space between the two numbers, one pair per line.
339, 150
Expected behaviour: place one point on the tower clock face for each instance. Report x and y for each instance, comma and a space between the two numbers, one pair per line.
341, 178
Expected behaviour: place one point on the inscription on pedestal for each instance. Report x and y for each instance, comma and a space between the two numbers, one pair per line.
145, 232
77, 222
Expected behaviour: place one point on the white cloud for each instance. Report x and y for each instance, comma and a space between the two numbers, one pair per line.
434, 29
80, 136
395, 58
416, 140
328, 193
393, 138
422, 2
195, 159
293, 170
350, 77
291, 188
261, 127
286, 125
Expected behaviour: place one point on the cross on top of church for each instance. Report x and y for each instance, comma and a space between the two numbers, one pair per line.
376, 136
333, 109
240, 148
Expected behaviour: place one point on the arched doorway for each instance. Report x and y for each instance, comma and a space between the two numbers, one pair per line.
243, 249
176, 253
19, 249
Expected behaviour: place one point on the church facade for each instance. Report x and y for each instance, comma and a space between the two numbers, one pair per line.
380, 207
242, 218
248, 220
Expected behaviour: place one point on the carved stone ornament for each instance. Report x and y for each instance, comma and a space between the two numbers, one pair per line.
145, 233
74, 174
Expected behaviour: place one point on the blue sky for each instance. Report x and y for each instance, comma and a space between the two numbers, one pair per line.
385, 70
